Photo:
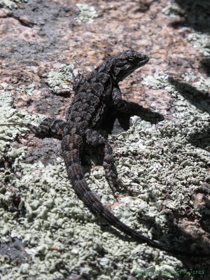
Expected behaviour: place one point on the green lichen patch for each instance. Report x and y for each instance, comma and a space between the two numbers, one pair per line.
61, 82
86, 13
163, 80
201, 41
172, 8
11, 3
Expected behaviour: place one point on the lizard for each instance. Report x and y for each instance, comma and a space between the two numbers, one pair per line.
94, 95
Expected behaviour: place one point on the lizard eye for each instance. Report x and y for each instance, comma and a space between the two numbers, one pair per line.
131, 58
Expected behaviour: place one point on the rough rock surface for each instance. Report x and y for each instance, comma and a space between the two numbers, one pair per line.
46, 232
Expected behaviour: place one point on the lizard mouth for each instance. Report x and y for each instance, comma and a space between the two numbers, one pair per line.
144, 59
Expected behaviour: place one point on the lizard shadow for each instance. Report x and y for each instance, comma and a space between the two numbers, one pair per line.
199, 138
132, 109
173, 236
201, 100
194, 15
205, 65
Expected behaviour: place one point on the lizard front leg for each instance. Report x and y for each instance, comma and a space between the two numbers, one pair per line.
47, 128
119, 103
50, 127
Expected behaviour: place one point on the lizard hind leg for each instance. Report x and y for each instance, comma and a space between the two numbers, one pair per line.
94, 138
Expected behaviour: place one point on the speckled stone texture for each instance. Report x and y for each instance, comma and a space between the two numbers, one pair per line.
168, 162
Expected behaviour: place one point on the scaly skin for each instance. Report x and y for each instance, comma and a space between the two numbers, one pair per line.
94, 95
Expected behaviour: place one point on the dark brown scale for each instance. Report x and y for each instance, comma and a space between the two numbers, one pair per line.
95, 95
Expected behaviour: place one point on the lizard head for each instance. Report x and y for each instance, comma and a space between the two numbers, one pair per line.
127, 62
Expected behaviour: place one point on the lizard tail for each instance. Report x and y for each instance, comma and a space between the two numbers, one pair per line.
98, 209
76, 176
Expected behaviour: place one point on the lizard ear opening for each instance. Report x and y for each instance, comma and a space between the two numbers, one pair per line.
115, 71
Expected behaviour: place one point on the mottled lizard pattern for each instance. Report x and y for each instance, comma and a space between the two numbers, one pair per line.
94, 95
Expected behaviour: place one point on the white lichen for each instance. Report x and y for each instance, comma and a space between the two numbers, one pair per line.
62, 80
86, 13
